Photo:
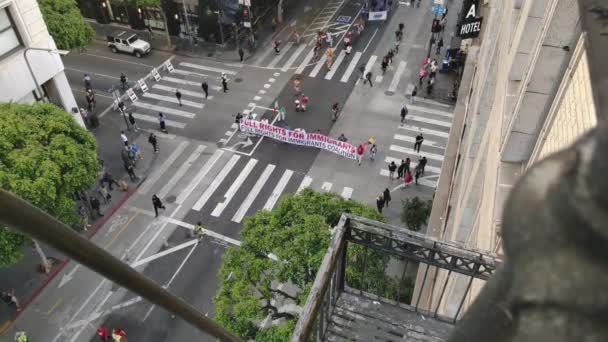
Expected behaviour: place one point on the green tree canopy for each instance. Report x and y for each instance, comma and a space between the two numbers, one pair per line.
45, 157
65, 23
415, 212
297, 232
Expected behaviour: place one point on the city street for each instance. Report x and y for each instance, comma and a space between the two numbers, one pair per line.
208, 171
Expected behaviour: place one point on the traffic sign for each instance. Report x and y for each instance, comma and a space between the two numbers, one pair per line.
438, 9
438, 2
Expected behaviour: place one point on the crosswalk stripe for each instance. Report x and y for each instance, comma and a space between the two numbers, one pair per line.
305, 62
280, 55
347, 192
199, 176
255, 191
421, 181
413, 140
411, 151
153, 178
326, 186
180, 81
318, 66
264, 56
240, 179
293, 58
211, 87
199, 95
428, 168
305, 184
148, 118
433, 102
278, 190
370, 63
188, 73
181, 171
351, 67
336, 65
173, 100
425, 130
429, 121
431, 111
216, 183
164, 110
203, 67
397, 76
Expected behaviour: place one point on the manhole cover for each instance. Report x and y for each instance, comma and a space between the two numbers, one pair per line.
238, 80
170, 199
389, 93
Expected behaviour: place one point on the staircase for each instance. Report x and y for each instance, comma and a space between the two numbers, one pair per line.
358, 318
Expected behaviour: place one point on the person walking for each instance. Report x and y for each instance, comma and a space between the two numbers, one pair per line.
401, 169
108, 178
387, 197
20, 336
404, 112
418, 143
152, 140
277, 50
421, 75
123, 80
392, 167
417, 174
132, 122
368, 78
241, 54
158, 204
408, 161
205, 87
224, 82
372, 152
422, 164
199, 231
131, 172
439, 45
360, 151
178, 95
407, 179
124, 138
95, 205
161, 121
362, 70
103, 191
384, 65
379, 203
90, 99
103, 334
119, 335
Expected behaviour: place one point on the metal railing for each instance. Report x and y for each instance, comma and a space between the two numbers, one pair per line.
358, 260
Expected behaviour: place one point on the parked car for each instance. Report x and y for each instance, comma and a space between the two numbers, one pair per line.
128, 43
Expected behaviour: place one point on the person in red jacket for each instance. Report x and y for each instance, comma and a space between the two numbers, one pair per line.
103, 334
360, 151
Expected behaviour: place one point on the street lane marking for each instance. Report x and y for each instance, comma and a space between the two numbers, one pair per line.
370, 40
422, 99
431, 111
255, 191
351, 67
263, 56
59, 301
173, 100
199, 95
370, 63
102, 313
164, 110
147, 186
188, 73
293, 57
119, 60
203, 67
91, 73
413, 140
320, 64
347, 192
148, 118
199, 176
429, 121
336, 65
180, 81
240, 179
163, 253
397, 76
411, 151
216, 183
102, 303
305, 184
424, 130
280, 55
181, 171
305, 62
107, 246
326, 186
278, 190
413, 165
97, 94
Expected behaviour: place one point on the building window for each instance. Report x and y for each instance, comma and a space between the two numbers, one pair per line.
9, 39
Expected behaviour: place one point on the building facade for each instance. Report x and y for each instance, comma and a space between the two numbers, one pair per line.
23, 29
525, 95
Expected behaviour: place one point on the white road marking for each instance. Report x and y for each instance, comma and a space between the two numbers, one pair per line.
155, 176
431, 111
261, 91
203, 67
199, 176
163, 253
180, 81
278, 190
411, 151
293, 57
305, 184
267, 85
164, 110
320, 64
428, 121
370, 40
412, 140
351, 67
240, 179
255, 191
424, 130
432, 102
103, 301
181, 171
378, 79
173, 100
157, 234
326, 186
305, 62
216, 183
188, 73
397, 77
370, 63
257, 98
347, 192
199, 95
148, 118
264, 56
336, 65
278, 57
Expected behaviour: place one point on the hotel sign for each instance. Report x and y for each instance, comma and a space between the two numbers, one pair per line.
470, 25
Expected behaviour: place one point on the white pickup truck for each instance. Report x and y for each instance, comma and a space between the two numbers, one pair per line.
129, 44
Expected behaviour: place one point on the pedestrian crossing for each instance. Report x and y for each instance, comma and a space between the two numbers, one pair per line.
160, 97
431, 119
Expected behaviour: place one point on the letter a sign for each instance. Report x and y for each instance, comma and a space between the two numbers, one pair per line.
470, 25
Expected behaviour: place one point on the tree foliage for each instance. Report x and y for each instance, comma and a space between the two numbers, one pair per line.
65, 24
297, 232
45, 157
415, 212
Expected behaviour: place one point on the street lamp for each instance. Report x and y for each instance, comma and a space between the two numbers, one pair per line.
29, 67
